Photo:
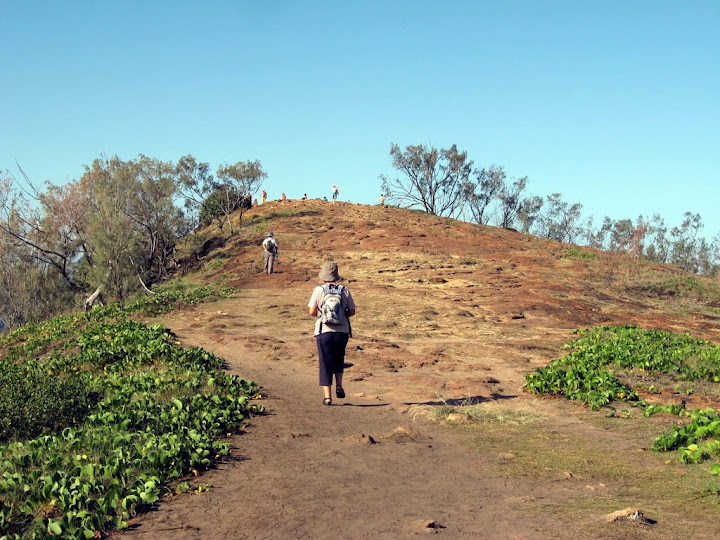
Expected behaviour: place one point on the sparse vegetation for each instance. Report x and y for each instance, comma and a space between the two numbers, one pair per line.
587, 374
469, 411
687, 287
443, 182
576, 254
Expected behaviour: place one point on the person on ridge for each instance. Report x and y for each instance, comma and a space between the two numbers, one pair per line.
333, 306
264, 196
270, 249
335, 192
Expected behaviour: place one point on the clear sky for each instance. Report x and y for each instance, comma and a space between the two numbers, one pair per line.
614, 104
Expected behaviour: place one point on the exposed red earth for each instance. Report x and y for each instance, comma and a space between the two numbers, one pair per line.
449, 314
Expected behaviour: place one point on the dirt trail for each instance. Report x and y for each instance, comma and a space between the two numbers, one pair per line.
308, 471
436, 323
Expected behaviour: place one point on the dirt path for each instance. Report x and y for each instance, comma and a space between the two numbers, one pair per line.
308, 471
432, 327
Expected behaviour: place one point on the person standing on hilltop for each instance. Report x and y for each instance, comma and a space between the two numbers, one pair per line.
333, 306
335, 193
264, 196
270, 249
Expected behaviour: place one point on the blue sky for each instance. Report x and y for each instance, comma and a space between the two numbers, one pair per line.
614, 104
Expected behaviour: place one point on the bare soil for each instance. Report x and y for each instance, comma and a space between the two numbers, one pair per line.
448, 314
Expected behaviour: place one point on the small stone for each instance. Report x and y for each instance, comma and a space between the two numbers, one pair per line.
630, 514
428, 526
361, 438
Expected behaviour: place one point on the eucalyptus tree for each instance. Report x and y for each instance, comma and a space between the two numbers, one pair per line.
658, 248
234, 184
135, 222
560, 220
483, 191
529, 212
195, 183
435, 180
685, 242
511, 201
41, 242
50, 224
154, 209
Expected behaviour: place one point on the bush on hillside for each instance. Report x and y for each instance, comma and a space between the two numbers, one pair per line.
33, 401
214, 207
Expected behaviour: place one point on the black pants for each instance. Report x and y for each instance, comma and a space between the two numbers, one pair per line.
331, 350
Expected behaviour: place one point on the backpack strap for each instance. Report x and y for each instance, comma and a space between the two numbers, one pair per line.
325, 289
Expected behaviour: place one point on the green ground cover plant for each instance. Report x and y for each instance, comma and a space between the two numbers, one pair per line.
589, 373
576, 254
111, 414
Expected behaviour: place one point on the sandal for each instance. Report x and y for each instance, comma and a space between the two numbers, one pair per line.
327, 401
339, 392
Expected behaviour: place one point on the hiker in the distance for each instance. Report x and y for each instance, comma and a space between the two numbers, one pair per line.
270, 249
263, 195
333, 306
335, 192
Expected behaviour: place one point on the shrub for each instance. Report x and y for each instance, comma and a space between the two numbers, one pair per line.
33, 401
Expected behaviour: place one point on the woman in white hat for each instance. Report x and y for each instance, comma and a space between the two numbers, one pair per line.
333, 306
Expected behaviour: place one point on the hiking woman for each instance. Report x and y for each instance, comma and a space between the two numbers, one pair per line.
333, 306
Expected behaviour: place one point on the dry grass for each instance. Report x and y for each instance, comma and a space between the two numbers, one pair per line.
601, 472
477, 413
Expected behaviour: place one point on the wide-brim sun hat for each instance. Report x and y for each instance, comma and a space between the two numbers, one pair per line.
329, 272
270, 234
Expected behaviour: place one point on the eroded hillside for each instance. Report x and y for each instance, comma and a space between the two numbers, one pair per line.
449, 314
452, 300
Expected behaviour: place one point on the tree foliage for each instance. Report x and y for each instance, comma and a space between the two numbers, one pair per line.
236, 183
434, 180
483, 191
195, 183
559, 221
115, 228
